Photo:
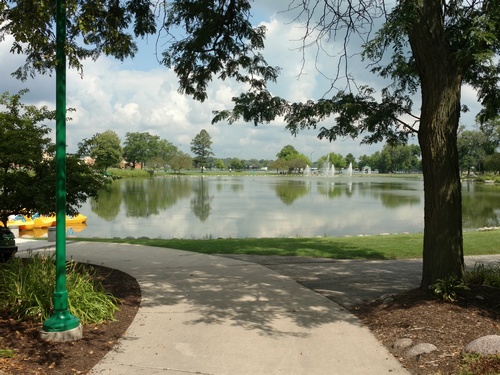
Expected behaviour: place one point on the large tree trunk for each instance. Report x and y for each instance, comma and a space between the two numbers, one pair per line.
443, 245
441, 80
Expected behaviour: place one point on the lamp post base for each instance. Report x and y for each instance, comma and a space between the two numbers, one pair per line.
74, 334
61, 326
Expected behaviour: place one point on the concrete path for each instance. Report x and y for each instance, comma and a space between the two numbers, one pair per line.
203, 314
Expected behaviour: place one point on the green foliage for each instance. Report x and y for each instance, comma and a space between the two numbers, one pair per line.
399, 158
471, 149
476, 364
287, 153
104, 148
93, 28
163, 154
201, 147
28, 165
407, 246
332, 159
180, 161
218, 40
128, 173
7, 353
448, 288
290, 159
140, 147
27, 287
482, 274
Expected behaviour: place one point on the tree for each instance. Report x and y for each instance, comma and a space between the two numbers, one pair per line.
140, 147
236, 164
201, 147
292, 159
334, 159
434, 46
219, 164
93, 28
492, 163
180, 161
104, 148
472, 149
279, 165
491, 130
350, 159
399, 158
28, 168
287, 153
163, 153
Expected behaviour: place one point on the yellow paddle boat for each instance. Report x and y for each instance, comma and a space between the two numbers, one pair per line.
75, 219
41, 221
43, 232
71, 219
22, 222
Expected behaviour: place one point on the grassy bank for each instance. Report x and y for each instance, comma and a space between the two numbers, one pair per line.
402, 246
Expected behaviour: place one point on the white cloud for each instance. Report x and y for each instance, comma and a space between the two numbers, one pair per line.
136, 97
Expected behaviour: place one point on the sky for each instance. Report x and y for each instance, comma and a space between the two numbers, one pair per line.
139, 95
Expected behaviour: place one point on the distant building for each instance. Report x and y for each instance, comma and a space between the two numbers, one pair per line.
88, 160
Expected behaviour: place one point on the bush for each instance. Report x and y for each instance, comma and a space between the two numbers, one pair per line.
27, 287
484, 275
447, 288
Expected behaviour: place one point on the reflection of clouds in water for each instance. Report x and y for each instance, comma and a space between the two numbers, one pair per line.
254, 210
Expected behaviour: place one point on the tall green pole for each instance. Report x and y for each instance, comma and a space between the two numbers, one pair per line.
61, 320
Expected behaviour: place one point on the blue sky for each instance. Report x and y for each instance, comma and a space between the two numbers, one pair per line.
140, 95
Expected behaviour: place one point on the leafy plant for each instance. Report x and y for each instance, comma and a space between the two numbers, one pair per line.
475, 364
27, 286
482, 274
6, 353
447, 288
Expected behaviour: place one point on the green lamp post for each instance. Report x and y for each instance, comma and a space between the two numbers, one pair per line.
61, 320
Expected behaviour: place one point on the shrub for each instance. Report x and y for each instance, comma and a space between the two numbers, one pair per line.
484, 275
27, 287
447, 288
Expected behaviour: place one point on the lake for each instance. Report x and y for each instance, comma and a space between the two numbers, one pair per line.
194, 207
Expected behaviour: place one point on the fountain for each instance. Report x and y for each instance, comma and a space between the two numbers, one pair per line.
307, 171
349, 170
329, 170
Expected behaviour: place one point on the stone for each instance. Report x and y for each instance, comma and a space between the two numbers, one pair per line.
402, 343
420, 349
484, 345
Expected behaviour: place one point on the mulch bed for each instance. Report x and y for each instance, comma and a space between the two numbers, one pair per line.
415, 314
426, 319
35, 356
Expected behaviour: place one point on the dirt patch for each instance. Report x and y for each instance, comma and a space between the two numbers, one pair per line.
34, 356
414, 314
424, 318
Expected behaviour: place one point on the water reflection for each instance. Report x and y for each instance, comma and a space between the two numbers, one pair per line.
200, 203
253, 206
108, 202
480, 205
290, 190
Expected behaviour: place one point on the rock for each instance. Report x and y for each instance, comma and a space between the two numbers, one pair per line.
420, 349
402, 343
484, 345
387, 298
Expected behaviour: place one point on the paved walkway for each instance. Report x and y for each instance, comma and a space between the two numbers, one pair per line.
203, 314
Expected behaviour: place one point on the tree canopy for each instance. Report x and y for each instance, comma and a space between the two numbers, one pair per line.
140, 147
28, 171
201, 146
104, 148
421, 48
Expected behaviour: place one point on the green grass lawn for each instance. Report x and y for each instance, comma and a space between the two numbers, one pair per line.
399, 246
